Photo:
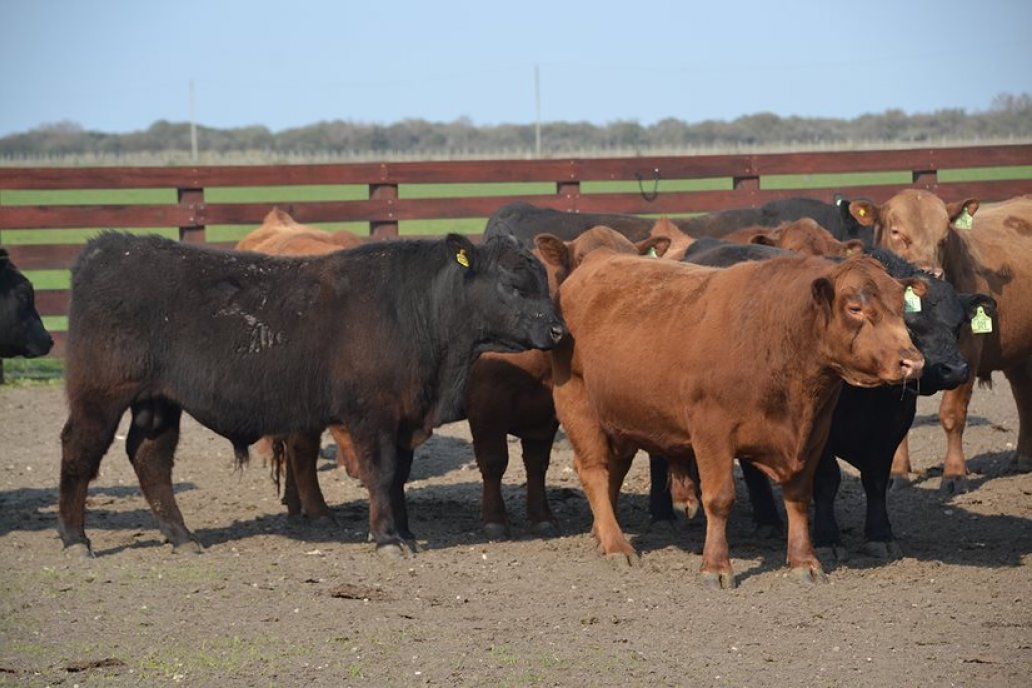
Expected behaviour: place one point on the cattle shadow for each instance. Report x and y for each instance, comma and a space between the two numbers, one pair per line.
34, 509
927, 419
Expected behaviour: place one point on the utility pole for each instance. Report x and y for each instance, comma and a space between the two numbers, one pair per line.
193, 126
537, 112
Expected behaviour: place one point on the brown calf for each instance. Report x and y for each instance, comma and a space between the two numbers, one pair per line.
712, 364
802, 236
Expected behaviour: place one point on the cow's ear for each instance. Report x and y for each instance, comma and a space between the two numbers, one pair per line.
653, 246
763, 239
5, 258
864, 212
854, 247
462, 250
823, 293
916, 284
972, 302
553, 250
961, 212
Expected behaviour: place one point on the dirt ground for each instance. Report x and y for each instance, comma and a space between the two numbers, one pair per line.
277, 604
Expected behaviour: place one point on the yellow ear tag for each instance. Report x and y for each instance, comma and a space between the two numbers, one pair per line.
862, 212
981, 323
963, 220
911, 301
652, 252
461, 258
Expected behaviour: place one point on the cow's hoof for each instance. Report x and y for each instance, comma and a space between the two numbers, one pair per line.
497, 531
900, 481
80, 550
954, 485
714, 580
1021, 463
622, 560
188, 547
690, 509
769, 531
809, 575
833, 554
392, 551
544, 529
883, 550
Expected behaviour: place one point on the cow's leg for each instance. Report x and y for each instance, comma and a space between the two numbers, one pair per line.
761, 497
151, 445
86, 436
1020, 378
291, 499
591, 459
536, 455
826, 537
302, 453
797, 492
661, 504
717, 480
881, 543
619, 466
398, 502
901, 468
346, 454
953, 412
378, 465
492, 453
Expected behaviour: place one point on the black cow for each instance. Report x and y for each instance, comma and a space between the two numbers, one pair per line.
868, 423
379, 338
834, 217
525, 221
21, 329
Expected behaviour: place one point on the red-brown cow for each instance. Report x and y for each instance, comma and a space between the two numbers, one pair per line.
682, 360
988, 252
511, 394
803, 236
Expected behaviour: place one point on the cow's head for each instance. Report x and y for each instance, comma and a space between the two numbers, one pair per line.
562, 257
915, 224
936, 320
506, 289
21, 329
864, 338
805, 236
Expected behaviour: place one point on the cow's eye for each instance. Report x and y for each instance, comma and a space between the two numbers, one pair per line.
855, 310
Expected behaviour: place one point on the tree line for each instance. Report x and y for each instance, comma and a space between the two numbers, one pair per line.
1009, 116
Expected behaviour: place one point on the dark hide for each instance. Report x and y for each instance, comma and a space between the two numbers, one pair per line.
525, 221
379, 338
834, 217
21, 329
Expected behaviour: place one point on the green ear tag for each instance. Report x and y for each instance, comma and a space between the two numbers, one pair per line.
911, 301
963, 220
981, 323
652, 252
461, 258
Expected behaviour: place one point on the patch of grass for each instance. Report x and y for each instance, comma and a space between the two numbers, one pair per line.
33, 370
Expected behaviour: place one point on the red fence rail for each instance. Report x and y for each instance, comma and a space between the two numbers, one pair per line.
383, 209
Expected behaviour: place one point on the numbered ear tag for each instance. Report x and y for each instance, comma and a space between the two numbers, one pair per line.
461, 258
981, 323
963, 220
911, 301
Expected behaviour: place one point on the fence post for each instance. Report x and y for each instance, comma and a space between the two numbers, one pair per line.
194, 232
382, 229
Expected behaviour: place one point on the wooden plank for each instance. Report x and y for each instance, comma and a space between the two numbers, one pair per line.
501, 171
43, 256
53, 301
62, 216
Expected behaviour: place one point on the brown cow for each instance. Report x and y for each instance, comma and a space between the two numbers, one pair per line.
679, 241
511, 394
686, 361
275, 222
802, 236
991, 253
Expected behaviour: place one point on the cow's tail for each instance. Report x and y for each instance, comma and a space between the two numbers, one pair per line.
241, 454
985, 381
278, 461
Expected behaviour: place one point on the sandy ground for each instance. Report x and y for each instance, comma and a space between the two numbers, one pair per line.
272, 603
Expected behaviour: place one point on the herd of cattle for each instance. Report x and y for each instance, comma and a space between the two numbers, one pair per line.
783, 336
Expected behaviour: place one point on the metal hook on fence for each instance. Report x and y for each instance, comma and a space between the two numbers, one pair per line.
649, 196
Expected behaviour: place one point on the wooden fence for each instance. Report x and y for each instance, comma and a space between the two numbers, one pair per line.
384, 207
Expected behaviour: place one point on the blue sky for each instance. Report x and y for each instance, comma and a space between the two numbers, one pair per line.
121, 65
